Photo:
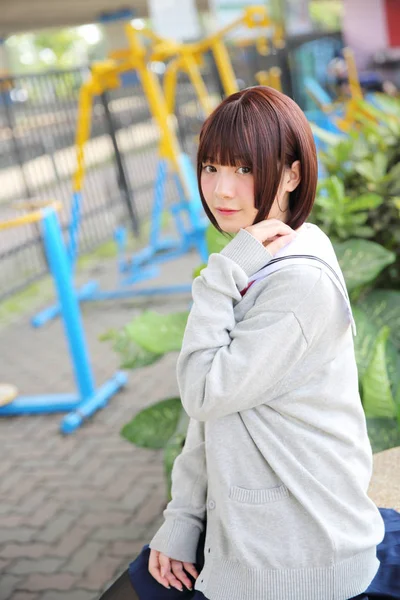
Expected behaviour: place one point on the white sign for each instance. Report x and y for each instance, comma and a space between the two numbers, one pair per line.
175, 19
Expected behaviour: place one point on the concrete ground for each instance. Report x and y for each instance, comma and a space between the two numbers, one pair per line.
75, 510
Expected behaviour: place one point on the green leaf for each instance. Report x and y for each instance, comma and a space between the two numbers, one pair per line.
131, 355
174, 447
337, 188
364, 232
383, 308
364, 202
365, 169
377, 395
331, 139
388, 104
393, 369
362, 261
396, 202
158, 333
154, 426
380, 161
198, 270
383, 434
393, 178
364, 344
364, 341
216, 241
373, 170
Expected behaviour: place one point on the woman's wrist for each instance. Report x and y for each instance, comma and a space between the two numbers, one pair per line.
248, 252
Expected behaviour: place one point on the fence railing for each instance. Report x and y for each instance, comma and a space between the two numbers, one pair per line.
38, 115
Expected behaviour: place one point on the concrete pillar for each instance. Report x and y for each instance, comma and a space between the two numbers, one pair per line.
175, 19
114, 29
365, 28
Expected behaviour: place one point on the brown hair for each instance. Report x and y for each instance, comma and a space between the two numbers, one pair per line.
262, 128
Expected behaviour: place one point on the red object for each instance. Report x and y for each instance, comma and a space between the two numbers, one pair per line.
245, 289
393, 22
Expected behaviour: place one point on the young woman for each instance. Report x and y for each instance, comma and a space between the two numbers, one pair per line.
269, 495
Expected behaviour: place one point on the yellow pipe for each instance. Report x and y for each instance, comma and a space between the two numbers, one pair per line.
262, 45
32, 204
354, 82
32, 217
170, 81
224, 66
275, 74
263, 78
157, 104
253, 16
83, 132
195, 77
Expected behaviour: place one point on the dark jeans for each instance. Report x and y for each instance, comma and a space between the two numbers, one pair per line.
136, 583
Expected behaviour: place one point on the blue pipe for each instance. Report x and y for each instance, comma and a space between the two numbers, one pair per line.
62, 273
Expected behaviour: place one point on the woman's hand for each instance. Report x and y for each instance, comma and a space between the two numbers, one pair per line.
273, 234
170, 572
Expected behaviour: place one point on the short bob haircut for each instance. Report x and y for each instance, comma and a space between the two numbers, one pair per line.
265, 130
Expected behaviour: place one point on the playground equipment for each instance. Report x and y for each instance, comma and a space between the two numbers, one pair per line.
106, 76
271, 78
339, 115
88, 399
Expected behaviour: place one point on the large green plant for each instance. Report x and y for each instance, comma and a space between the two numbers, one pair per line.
360, 196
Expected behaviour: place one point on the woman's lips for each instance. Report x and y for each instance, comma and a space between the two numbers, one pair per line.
226, 211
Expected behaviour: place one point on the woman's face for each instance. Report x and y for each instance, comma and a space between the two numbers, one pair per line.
229, 194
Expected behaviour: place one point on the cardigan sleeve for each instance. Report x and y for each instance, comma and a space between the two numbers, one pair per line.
184, 515
226, 367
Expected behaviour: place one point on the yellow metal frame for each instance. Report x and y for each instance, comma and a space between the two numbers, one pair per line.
31, 217
179, 57
271, 78
352, 105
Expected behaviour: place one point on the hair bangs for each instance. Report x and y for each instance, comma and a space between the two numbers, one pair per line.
225, 140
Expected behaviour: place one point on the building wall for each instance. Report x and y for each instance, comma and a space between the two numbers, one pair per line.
365, 27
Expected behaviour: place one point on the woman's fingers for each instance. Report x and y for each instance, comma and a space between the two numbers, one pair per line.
155, 568
177, 569
269, 229
169, 572
279, 242
191, 569
166, 571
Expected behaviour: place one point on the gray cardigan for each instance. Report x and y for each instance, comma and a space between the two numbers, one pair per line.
277, 459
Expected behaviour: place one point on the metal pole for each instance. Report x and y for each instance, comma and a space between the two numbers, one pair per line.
10, 122
123, 182
61, 270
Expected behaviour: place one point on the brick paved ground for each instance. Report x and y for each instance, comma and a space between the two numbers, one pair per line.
75, 510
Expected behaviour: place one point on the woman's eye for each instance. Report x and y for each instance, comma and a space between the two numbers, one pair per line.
244, 170
209, 169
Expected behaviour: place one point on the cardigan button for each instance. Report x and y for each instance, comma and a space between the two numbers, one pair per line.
211, 504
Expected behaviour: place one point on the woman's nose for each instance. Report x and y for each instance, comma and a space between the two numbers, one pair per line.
224, 188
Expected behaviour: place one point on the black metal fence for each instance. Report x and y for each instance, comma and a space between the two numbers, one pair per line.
38, 115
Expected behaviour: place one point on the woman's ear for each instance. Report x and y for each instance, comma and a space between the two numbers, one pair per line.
293, 176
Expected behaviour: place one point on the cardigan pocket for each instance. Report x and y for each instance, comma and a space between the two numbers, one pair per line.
261, 496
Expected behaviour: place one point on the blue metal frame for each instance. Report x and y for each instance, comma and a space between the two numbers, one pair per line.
88, 399
143, 265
